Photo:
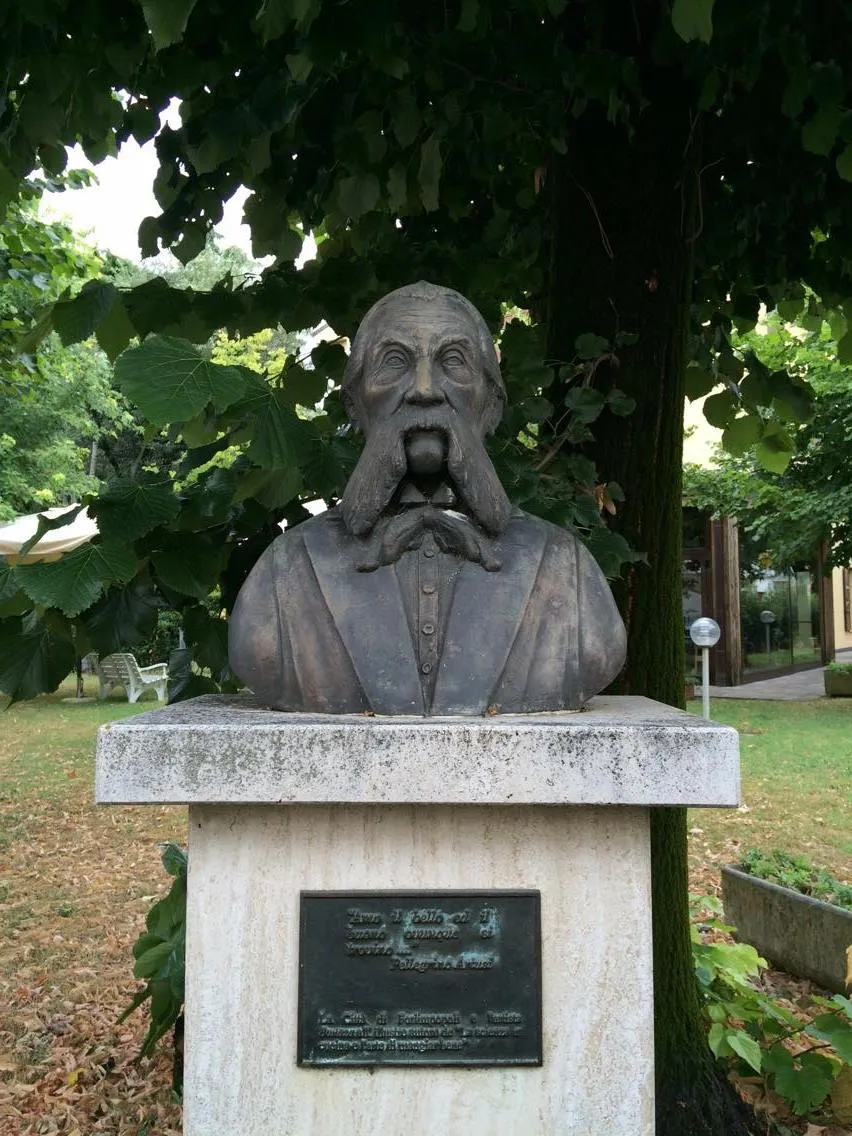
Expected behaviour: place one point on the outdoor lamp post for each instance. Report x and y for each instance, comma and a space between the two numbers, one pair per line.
705, 633
767, 618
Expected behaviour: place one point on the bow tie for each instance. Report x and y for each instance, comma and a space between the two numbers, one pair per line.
442, 498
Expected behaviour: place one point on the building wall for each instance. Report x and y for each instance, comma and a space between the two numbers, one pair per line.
842, 607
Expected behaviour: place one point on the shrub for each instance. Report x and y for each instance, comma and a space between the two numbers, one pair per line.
160, 953
798, 873
799, 1056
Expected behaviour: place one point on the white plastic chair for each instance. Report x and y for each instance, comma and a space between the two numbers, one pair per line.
123, 670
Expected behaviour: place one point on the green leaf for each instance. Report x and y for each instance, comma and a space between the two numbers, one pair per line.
807, 1086
43, 325
429, 174
276, 16
124, 617
741, 434
745, 1047
406, 118
115, 330
771, 456
844, 163
716, 1039
77, 319
358, 195
175, 859
792, 399
693, 19
127, 509
152, 960
145, 942
397, 188
844, 348
304, 387
699, 382
777, 1059
820, 132
187, 564
795, 93
35, 659
586, 403
591, 346
166, 20
208, 638
720, 408
279, 438
272, 488
191, 243
170, 381
620, 403
183, 681
467, 18
75, 581
300, 66
730, 365
827, 83
831, 1028
12, 600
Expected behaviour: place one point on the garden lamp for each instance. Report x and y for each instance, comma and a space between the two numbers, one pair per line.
704, 633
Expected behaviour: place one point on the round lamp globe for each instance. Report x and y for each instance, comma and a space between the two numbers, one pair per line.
705, 632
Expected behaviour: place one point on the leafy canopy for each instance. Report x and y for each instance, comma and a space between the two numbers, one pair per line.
786, 516
412, 140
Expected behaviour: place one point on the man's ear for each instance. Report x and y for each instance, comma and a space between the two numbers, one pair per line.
494, 408
350, 407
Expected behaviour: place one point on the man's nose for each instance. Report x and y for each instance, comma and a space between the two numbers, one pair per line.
426, 389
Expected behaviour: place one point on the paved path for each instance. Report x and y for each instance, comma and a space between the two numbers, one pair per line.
786, 688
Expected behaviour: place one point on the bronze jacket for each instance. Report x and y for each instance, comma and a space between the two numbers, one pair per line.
311, 633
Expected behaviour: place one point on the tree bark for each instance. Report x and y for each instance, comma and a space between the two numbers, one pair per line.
621, 262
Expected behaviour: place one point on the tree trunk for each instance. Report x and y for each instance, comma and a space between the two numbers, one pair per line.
621, 262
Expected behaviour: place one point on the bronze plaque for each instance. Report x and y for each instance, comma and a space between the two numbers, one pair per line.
420, 978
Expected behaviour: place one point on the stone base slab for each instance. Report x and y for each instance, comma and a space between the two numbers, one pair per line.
620, 751
247, 867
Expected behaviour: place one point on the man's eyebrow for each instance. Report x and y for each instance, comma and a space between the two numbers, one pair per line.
438, 341
392, 341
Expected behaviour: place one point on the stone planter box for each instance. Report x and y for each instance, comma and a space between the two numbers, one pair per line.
838, 684
803, 936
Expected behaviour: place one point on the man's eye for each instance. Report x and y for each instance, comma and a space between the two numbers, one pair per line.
394, 359
453, 359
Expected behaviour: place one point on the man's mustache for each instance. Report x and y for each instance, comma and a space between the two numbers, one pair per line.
383, 464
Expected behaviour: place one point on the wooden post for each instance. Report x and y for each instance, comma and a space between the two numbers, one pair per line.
826, 607
726, 658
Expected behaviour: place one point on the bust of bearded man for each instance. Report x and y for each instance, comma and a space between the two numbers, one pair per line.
425, 591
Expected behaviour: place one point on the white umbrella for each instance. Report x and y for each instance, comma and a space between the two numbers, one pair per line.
53, 543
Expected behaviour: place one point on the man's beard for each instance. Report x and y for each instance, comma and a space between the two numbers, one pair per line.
384, 464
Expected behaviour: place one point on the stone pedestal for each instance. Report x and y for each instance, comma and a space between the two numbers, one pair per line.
281, 803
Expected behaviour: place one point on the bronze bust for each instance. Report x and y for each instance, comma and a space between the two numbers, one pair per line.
425, 591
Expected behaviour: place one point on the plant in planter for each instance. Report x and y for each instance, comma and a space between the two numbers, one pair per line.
838, 680
796, 915
802, 1055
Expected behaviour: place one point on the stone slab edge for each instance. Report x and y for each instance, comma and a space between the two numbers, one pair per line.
622, 751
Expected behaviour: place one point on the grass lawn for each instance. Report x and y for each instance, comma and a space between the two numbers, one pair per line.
76, 881
796, 784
